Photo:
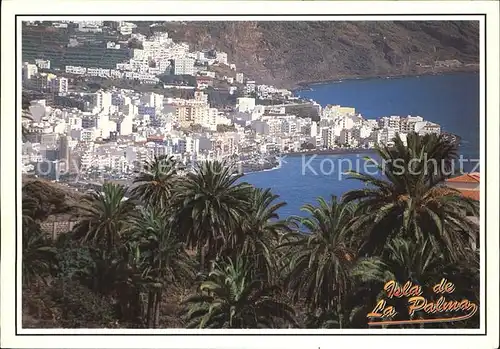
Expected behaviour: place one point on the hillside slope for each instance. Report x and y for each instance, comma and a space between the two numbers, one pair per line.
290, 53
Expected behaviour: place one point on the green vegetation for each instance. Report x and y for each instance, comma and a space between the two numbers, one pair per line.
50, 43
208, 250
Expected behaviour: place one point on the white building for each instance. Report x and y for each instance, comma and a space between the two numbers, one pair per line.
347, 137
103, 125
239, 78
184, 66
103, 101
112, 45
29, 70
126, 28
427, 127
245, 104
201, 97
386, 136
38, 110
392, 122
250, 87
221, 57
126, 126
328, 137
407, 125
42, 64
75, 70
153, 100
314, 129
90, 26
60, 85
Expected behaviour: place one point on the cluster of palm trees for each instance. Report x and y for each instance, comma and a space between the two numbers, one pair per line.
222, 241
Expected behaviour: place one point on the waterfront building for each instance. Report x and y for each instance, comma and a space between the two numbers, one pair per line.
386, 135
392, 122
328, 137
427, 127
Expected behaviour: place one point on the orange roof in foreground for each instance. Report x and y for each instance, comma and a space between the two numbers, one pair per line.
472, 194
473, 177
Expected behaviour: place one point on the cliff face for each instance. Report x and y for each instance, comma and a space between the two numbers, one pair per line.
290, 53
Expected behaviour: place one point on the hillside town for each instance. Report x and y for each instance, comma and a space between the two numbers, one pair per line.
113, 131
167, 184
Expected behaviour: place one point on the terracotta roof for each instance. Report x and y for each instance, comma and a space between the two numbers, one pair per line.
466, 178
475, 175
472, 194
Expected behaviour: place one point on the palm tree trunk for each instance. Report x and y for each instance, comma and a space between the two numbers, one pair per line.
339, 311
201, 257
157, 309
150, 312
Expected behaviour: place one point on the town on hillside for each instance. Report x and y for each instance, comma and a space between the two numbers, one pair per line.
109, 115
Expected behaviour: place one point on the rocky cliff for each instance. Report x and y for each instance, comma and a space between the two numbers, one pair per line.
291, 53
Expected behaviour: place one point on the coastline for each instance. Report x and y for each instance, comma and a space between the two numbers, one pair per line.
277, 167
330, 152
304, 86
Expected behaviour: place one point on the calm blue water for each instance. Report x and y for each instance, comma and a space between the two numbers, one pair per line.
449, 100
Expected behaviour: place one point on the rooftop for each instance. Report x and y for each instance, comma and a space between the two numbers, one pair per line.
471, 194
473, 177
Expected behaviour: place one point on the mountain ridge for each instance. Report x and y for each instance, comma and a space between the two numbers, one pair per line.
292, 54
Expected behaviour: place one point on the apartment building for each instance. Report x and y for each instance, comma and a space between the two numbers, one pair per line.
386, 135
427, 127
239, 78
221, 57
42, 64
29, 71
245, 104
250, 87
328, 137
184, 66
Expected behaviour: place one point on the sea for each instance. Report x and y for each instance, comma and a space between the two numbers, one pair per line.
449, 100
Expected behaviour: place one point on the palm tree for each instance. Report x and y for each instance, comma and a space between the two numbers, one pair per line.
210, 205
38, 255
319, 260
402, 261
104, 217
156, 183
419, 262
410, 202
165, 261
30, 212
231, 298
260, 233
